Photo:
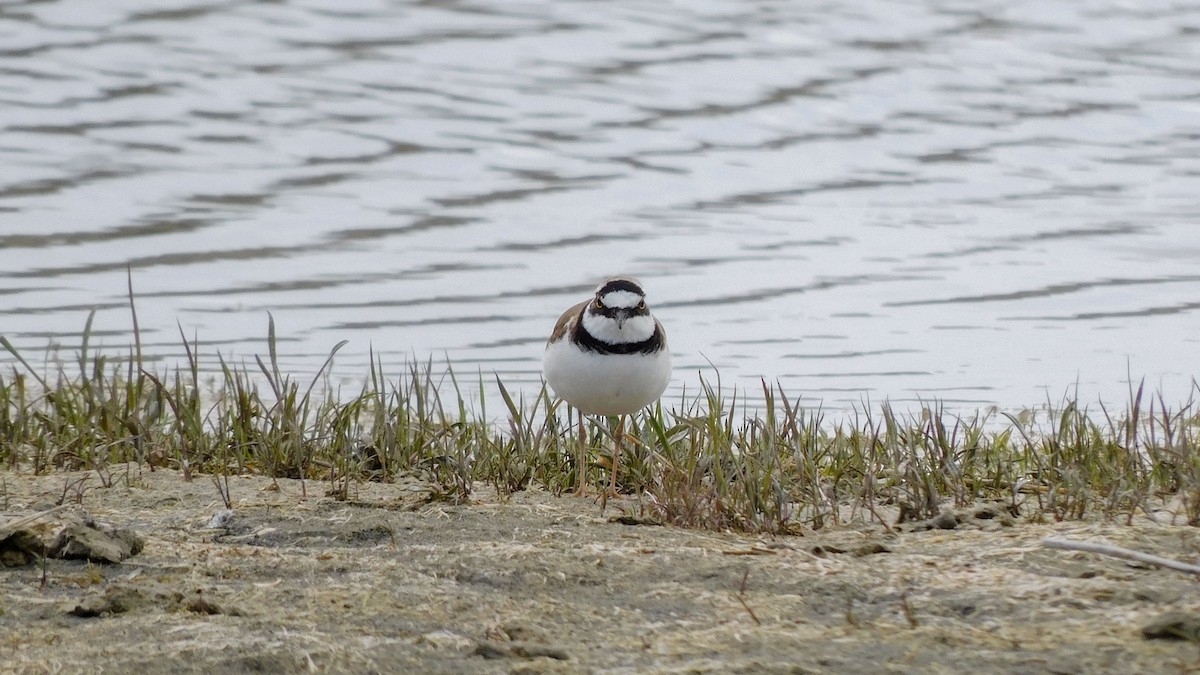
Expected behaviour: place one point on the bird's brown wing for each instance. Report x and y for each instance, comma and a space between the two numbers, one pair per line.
565, 322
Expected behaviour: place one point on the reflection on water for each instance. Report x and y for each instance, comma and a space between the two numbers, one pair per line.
986, 205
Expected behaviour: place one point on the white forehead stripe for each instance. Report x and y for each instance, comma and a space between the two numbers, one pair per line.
621, 299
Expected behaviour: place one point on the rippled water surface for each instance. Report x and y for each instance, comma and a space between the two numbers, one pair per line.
979, 202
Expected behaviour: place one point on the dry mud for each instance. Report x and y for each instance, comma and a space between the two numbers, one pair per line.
390, 581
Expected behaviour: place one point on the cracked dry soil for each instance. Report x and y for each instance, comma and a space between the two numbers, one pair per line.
392, 582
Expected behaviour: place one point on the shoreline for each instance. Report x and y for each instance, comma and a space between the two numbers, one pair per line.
394, 579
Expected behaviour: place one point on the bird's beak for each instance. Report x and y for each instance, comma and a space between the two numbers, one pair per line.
621, 317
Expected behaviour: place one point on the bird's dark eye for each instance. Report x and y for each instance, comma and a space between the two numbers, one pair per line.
599, 305
642, 305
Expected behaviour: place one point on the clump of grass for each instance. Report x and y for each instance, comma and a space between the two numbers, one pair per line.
785, 468
706, 462
84, 420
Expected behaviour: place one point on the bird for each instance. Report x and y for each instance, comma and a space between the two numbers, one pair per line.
608, 356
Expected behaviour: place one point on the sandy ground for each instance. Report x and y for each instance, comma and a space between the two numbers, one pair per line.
393, 582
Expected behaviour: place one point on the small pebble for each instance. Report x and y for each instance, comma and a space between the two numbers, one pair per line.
449, 640
945, 521
1174, 626
870, 549
221, 519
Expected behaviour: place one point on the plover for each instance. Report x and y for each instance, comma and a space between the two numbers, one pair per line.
608, 356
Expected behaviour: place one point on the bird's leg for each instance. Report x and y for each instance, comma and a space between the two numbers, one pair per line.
612, 488
581, 459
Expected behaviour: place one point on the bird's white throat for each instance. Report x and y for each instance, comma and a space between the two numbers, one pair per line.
605, 329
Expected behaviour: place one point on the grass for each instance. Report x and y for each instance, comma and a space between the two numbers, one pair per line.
697, 463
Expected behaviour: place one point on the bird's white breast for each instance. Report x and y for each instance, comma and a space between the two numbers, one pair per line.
606, 384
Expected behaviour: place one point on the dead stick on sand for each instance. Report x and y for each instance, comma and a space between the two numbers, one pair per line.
1118, 552
12, 526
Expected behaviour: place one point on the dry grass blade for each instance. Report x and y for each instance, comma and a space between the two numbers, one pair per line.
17, 355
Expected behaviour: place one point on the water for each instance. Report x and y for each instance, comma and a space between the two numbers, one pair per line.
981, 203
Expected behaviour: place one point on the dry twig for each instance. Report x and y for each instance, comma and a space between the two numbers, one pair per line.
12, 526
741, 596
1123, 553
